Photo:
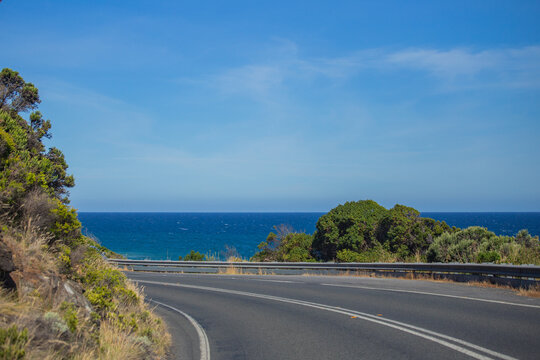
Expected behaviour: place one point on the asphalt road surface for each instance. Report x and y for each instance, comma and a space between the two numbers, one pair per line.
333, 317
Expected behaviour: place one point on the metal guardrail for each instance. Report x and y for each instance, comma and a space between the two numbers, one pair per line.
528, 272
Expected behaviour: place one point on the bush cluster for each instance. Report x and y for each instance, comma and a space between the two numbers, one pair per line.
365, 227
364, 231
478, 245
285, 245
193, 256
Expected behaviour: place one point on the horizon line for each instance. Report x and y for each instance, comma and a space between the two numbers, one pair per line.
286, 212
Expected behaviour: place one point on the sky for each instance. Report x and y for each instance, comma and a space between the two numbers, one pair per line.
287, 106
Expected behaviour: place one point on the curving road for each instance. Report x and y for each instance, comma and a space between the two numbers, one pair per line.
318, 317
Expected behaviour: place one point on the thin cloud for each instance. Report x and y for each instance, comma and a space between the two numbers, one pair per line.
508, 65
254, 79
449, 63
463, 68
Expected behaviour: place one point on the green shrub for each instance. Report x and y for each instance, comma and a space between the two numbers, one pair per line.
477, 244
126, 322
66, 226
104, 276
13, 343
364, 225
128, 296
375, 254
64, 258
403, 232
70, 315
57, 323
488, 256
346, 255
106, 287
194, 256
286, 245
349, 226
101, 298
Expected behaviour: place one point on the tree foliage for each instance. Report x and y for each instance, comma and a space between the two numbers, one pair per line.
402, 231
193, 256
478, 245
37, 224
33, 181
364, 231
16, 95
285, 245
372, 232
349, 226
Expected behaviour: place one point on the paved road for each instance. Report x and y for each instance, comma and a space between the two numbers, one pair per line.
317, 317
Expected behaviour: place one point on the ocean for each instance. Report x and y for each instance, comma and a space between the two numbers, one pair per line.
169, 235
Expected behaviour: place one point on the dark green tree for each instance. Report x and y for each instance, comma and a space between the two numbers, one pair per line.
285, 245
16, 94
403, 232
193, 256
349, 226
33, 182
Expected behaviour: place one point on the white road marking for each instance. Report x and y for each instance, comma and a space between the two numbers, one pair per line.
276, 281
434, 294
414, 330
204, 345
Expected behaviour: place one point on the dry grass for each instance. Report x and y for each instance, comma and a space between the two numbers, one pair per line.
149, 338
533, 291
149, 325
9, 305
114, 345
235, 259
260, 271
230, 270
161, 337
24, 314
114, 342
29, 250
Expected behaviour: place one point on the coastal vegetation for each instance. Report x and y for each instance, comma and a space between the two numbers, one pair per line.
59, 298
285, 245
193, 256
364, 231
478, 245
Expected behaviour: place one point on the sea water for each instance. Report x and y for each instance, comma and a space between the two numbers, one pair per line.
169, 235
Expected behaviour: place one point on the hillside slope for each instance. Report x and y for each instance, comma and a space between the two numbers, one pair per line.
59, 298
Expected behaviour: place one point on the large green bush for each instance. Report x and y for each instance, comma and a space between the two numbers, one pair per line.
364, 231
477, 245
403, 232
285, 245
349, 226
193, 256
365, 227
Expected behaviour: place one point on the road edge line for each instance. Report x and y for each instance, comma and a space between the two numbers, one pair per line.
433, 294
204, 345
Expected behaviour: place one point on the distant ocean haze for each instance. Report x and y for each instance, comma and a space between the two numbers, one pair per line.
169, 235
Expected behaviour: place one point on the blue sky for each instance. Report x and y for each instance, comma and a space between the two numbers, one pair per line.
274, 106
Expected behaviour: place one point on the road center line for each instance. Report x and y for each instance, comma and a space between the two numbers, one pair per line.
204, 345
276, 281
414, 330
434, 294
